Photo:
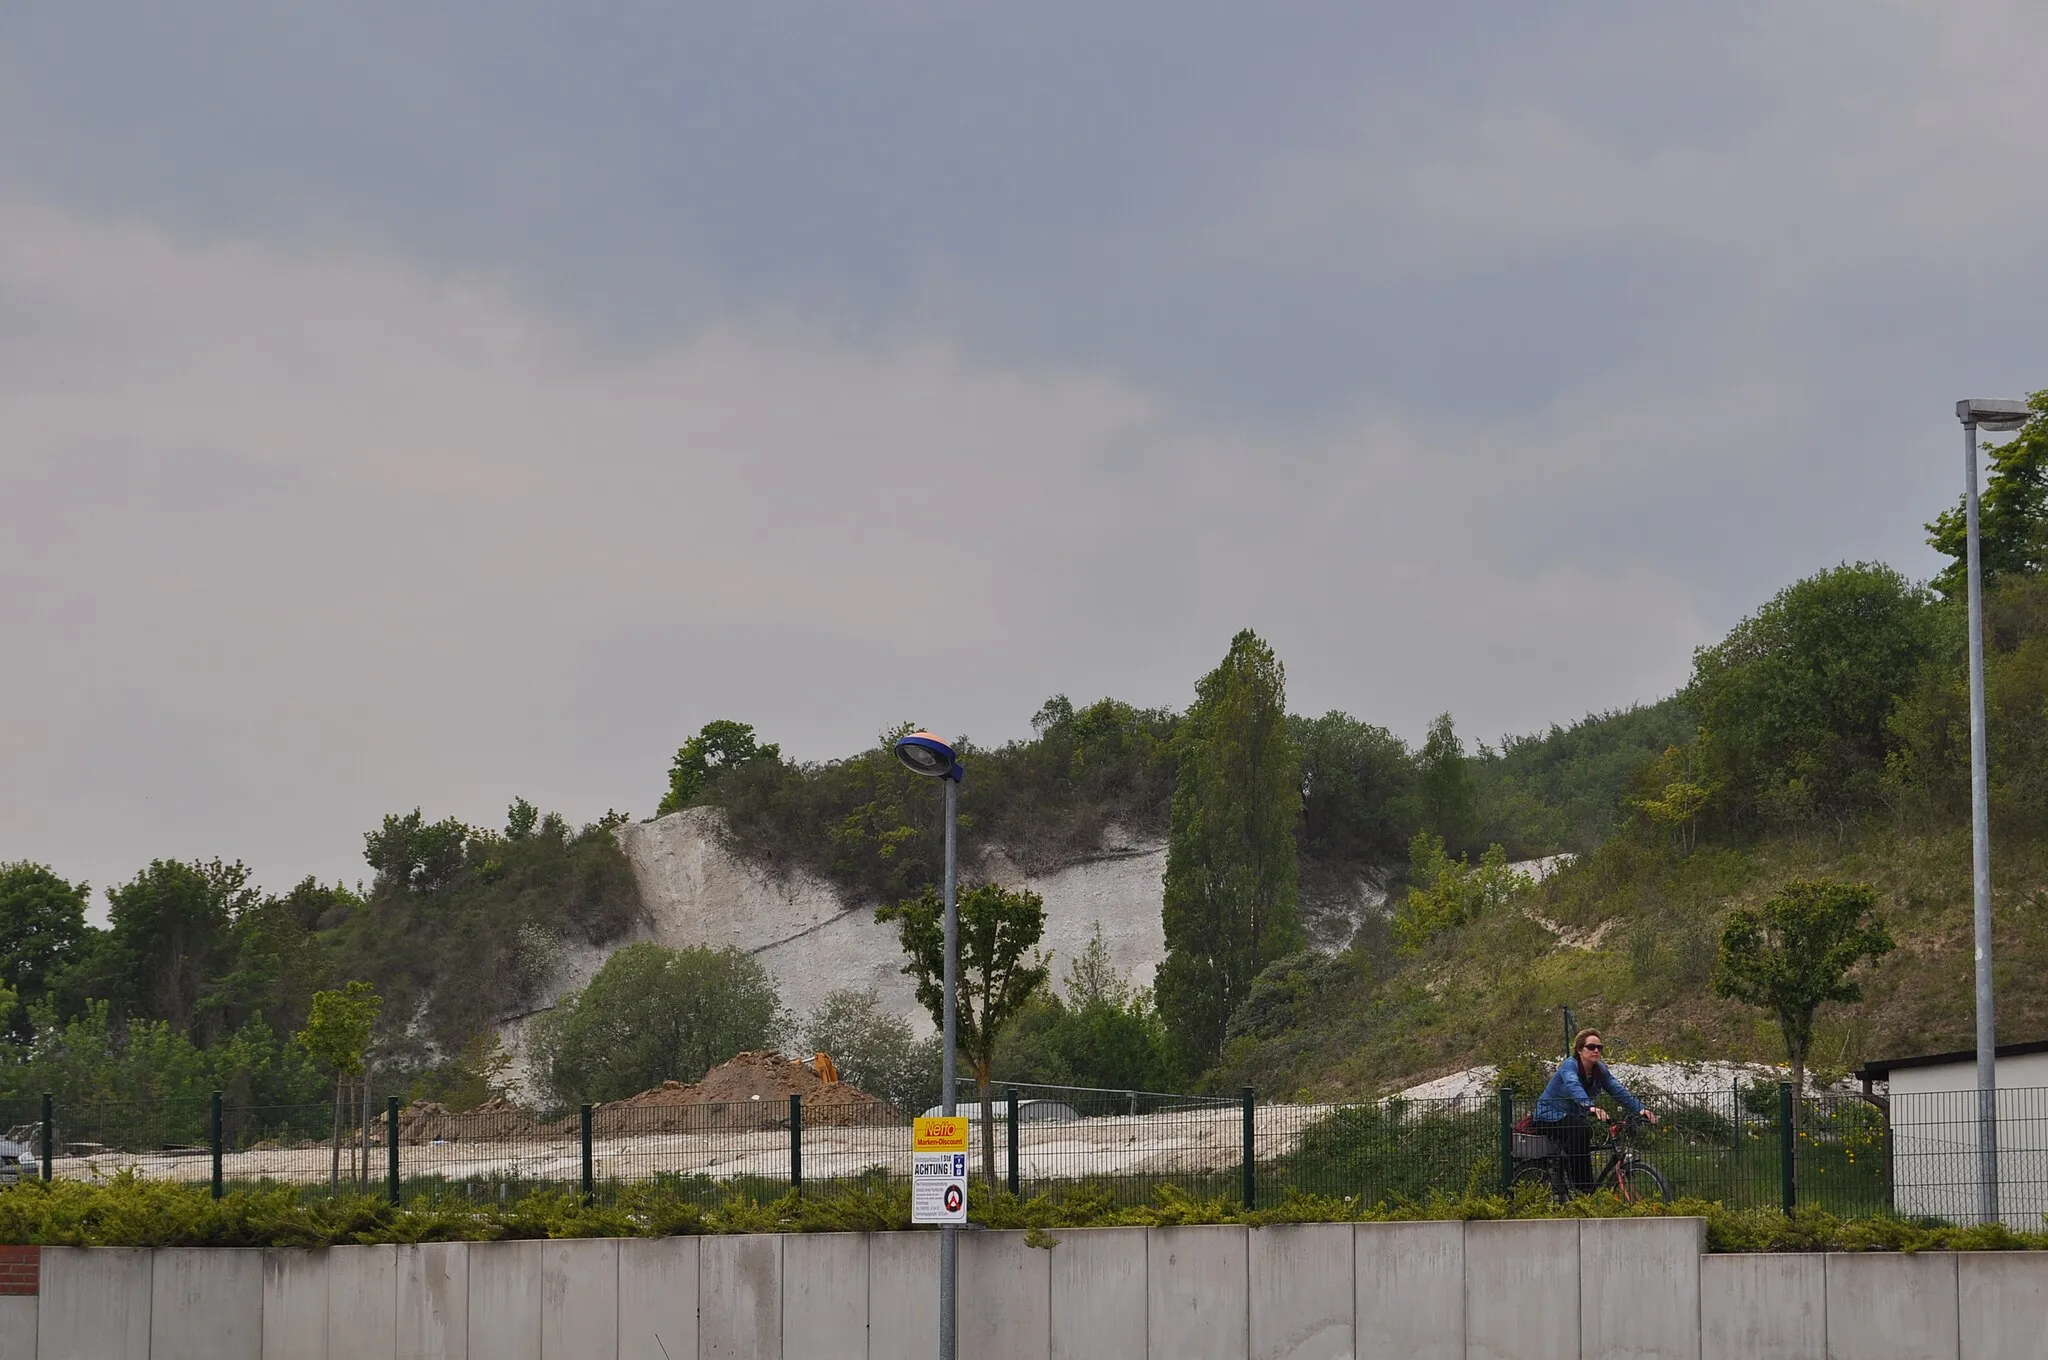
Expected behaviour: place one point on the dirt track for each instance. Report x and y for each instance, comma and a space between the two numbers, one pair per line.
1209, 1139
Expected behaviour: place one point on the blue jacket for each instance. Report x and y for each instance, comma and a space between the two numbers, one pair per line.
1566, 1095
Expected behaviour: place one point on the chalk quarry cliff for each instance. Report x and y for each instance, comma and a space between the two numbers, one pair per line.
813, 942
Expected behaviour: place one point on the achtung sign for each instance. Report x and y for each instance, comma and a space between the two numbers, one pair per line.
938, 1170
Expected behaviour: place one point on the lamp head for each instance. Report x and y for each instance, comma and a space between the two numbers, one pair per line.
924, 753
1994, 415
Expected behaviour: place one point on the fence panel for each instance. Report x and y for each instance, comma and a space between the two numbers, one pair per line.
1124, 1143
1935, 1155
1723, 1144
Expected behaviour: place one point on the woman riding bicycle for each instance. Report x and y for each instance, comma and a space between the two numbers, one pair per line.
1570, 1096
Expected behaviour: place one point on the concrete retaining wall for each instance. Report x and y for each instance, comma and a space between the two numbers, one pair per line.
1593, 1289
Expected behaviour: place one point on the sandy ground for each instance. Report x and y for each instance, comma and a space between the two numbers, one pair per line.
1174, 1142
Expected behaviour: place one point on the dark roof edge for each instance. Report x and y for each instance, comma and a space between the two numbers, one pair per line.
1879, 1069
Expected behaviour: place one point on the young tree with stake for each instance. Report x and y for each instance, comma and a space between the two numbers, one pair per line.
1795, 954
337, 1032
998, 930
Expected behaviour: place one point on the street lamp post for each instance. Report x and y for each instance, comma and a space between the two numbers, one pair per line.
925, 754
1991, 415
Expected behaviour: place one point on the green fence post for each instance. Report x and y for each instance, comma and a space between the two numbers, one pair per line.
391, 1144
589, 1178
1507, 1139
1013, 1140
49, 1134
1251, 1193
1788, 1150
216, 1145
796, 1142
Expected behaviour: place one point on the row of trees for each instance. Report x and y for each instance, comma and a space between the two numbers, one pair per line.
200, 981
1845, 695
1360, 792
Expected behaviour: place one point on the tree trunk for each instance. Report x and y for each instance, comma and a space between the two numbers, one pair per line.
334, 1161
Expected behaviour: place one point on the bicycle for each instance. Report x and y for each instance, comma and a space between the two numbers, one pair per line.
1539, 1160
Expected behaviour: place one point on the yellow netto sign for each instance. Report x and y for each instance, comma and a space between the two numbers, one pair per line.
941, 1133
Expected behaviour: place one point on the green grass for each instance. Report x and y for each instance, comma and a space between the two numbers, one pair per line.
1491, 991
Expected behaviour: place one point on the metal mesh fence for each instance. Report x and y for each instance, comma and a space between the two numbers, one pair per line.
1125, 1144
1729, 1145
1382, 1152
1936, 1161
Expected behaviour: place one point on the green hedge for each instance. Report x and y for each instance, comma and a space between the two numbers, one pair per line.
127, 1212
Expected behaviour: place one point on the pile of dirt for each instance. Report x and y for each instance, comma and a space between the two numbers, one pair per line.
428, 1121
749, 1093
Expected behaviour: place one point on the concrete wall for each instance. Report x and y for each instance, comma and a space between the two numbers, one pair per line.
1592, 1289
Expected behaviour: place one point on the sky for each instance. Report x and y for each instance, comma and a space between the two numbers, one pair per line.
426, 406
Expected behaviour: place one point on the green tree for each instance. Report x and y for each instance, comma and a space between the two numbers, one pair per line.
999, 970
1095, 1030
1358, 790
1449, 795
1113, 1037
415, 855
2012, 513
170, 942
874, 1049
274, 962
1794, 703
1674, 799
1444, 893
719, 746
42, 934
520, 820
1929, 770
1230, 885
448, 927
1795, 954
653, 1015
337, 1033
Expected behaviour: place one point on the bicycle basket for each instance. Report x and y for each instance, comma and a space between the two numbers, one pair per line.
1530, 1147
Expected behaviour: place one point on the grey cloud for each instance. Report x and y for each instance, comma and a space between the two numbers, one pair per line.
405, 407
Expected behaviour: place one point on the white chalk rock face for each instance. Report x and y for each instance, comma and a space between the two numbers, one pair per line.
696, 892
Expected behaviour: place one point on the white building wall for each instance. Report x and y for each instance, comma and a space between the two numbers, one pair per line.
1934, 1140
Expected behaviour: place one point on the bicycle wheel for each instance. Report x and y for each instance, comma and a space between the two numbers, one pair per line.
1539, 1174
1635, 1181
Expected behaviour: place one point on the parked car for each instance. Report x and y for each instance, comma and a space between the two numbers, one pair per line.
1028, 1111
17, 1163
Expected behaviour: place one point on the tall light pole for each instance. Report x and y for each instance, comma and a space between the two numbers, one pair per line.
1991, 415
925, 754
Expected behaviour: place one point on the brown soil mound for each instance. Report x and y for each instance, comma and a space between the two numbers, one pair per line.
427, 1121
749, 1093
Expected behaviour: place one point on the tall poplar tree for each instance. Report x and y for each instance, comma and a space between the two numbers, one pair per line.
1230, 874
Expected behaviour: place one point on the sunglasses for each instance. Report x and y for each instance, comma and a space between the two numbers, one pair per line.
1593, 1048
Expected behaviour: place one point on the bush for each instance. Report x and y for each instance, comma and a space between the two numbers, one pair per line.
127, 1212
875, 1050
1104, 1034
1445, 893
653, 1015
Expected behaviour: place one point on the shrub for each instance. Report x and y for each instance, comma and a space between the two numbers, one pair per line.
653, 1015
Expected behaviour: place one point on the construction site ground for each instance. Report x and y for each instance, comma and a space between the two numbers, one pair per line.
1178, 1141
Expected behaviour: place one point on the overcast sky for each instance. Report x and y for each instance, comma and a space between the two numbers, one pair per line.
427, 405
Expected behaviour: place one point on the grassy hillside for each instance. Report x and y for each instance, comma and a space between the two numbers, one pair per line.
1639, 924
